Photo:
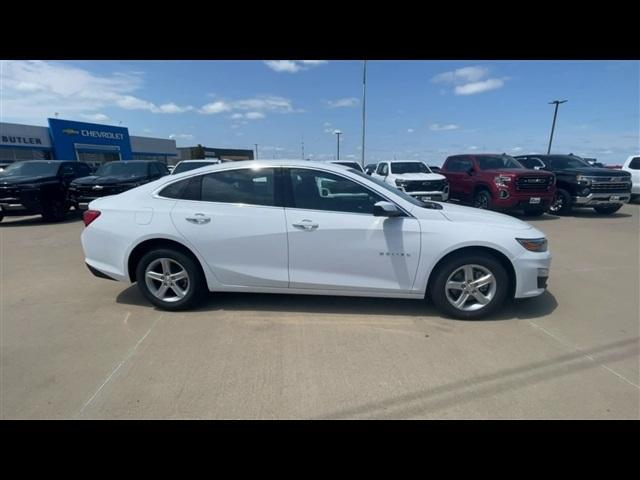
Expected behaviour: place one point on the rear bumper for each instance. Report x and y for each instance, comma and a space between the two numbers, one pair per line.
98, 273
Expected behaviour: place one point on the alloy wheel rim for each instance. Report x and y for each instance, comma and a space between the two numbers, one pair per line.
470, 287
557, 204
167, 280
481, 202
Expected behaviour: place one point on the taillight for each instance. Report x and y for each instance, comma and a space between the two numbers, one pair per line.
89, 216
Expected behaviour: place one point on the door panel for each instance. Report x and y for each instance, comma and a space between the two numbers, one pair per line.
352, 251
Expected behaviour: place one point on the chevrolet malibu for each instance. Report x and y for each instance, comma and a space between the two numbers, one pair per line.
301, 227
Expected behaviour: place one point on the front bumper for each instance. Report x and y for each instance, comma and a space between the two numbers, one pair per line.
518, 200
602, 199
437, 195
532, 273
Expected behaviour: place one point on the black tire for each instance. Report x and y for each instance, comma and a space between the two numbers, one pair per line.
534, 212
562, 204
55, 211
437, 291
197, 283
608, 210
482, 199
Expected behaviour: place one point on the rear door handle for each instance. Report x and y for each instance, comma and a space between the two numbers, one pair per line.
199, 219
306, 225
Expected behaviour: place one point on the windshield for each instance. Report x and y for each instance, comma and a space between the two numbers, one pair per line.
498, 162
31, 169
409, 167
123, 168
560, 163
396, 191
186, 166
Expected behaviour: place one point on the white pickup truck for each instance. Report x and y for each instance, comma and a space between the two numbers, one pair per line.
632, 165
414, 178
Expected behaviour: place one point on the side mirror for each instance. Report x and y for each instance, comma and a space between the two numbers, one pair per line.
386, 209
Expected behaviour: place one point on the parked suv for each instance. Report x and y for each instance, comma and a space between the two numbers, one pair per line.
38, 187
581, 185
498, 182
632, 165
114, 177
414, 178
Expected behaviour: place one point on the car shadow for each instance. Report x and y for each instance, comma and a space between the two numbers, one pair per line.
586, 213
71, 217
536, 307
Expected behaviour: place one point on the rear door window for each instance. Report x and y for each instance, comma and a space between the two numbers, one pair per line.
248, 186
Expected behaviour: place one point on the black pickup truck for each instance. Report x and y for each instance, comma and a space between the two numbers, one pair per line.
38, 187
113, 178
581, 185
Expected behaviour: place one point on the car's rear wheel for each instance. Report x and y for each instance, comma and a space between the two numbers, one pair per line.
608, 210
482, 200
470, 286
562, 203
170, 279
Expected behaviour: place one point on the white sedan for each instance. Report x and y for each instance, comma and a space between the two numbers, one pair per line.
301, 227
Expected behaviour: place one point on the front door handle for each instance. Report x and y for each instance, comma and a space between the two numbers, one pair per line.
199, 219
306, 225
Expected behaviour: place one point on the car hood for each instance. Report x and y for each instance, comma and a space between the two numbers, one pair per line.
458, 213
594, 172
107, 180
418, 176
22, 179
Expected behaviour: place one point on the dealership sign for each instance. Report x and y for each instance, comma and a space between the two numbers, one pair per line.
71, 137
94, 133
10, 139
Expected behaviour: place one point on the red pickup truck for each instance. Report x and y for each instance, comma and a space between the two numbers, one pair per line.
498, 182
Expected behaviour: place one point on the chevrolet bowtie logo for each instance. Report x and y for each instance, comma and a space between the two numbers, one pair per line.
70, 131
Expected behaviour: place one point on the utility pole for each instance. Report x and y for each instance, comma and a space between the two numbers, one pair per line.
338, 133
302, 148
364, 102
256, 150
553, 126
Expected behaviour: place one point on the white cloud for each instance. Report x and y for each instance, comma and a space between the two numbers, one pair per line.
410, 130
34, 90
292, 66
182, 136
254, 115
516, 149
462, 75
436, 127
472, 147
256, 107
95, 117
469, 80
479, 87
343, 102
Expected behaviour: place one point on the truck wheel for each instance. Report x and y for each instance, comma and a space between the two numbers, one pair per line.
534, 212
470, 286
482, 200
562, 203
54, 212
170, 279
608, 210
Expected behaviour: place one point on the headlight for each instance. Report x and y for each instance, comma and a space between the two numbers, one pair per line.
534, 244
583, 179
501, 180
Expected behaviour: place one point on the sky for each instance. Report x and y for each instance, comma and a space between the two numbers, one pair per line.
421, 110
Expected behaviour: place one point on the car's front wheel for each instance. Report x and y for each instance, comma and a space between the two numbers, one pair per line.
562, 203
482, 200
470, 286
170, 279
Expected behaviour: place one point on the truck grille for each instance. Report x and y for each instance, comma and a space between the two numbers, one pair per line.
89, 191
9, 192
424, 186
611, 186
533, 183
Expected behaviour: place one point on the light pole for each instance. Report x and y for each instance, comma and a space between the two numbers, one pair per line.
338, 133
553, 126
256, 150
364, 102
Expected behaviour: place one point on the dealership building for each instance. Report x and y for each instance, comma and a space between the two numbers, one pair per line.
87, 142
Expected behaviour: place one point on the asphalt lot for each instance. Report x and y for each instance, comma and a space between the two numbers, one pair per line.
75, 346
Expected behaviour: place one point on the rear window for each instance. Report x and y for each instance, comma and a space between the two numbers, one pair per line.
188, 189
497, 162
